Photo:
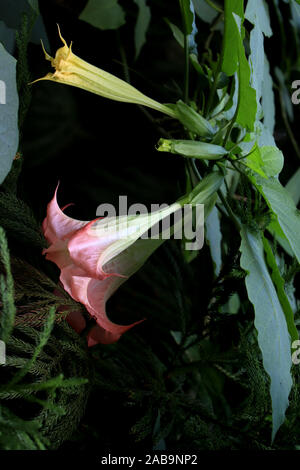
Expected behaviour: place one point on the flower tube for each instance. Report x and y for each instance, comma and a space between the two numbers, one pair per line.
72, 70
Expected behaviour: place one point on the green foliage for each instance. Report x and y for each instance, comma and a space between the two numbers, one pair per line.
19, 222
282, 205
6, 291
34, 374
232, 36
103, 14
270, 322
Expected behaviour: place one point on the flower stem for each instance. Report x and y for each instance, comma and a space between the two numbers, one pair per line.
229, 210
186, 69
214, 6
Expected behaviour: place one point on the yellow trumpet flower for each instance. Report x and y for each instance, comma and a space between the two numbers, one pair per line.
72, 70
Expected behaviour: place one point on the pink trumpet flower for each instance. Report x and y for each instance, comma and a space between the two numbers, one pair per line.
95, 258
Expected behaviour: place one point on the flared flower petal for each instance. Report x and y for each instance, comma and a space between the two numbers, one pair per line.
57, 225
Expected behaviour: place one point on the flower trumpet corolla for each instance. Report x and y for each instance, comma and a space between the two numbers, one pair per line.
96, 257
72, 70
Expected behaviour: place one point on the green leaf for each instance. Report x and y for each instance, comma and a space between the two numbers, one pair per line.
9, 105
193, 121
204, 11
272, 160
283, 206
177, 33
255, 162
270, 323
293, 187
279, 283
142, 25
192, 148
257, 12
206, 188
266, 161
103, 14
247, 106
232, 38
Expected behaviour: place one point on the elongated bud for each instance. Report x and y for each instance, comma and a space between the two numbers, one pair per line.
71, 70
192, 148
193, 121
206, 188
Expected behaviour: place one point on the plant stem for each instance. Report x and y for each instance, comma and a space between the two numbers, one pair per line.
229, 210
214, 6
186, 69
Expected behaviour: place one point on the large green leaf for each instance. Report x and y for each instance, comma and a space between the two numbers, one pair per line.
231, 40
270, 323
281, 203
9, 105
103, 14
247, 106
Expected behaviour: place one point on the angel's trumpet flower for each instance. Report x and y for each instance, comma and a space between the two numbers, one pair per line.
72, 70
96, 257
